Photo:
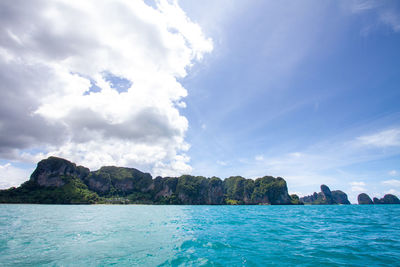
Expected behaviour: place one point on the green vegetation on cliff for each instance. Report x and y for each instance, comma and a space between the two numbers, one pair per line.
74, 191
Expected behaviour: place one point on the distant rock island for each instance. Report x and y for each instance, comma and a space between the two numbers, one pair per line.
387, 199
326, 197
59, 181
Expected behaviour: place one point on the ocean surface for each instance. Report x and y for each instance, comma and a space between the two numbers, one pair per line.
117, 235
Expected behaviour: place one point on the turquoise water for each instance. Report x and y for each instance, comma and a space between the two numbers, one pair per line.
97, 235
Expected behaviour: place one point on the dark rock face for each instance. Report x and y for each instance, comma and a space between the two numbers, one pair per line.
326, 194
309, 199
377, 201
390, 199
117, 179
99, 182
192, 190
51, 171
215, 194
387, 199
265, 190
326, 197
340, 197
364, 199
164, 187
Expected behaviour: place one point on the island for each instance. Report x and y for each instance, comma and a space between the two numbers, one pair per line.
326, 197
364, 199
59, 181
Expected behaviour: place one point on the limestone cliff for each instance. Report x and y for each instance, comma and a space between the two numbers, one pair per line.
364, 199
57, 180
326, 197
387, 199
51, 171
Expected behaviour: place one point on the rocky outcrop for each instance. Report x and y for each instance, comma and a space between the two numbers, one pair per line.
99, 182
390, 199
77, 184
54, 171
264, 190
164, 187
340, 197
364, 199
377, 201
111, 179
387, 199
215, 194
310, 199
326, 197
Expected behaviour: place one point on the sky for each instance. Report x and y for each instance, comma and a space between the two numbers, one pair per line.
305, 90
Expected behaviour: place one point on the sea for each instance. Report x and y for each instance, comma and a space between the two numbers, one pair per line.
150, 235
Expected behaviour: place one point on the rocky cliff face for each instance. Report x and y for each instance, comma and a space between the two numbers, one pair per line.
387, 199
56, 180
340, 197
390, 199
376, 200
77, 184
53, 171
364, 199
111, 179
215, 194
264, 190
326, 197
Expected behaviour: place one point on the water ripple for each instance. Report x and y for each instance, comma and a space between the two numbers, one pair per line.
49, 235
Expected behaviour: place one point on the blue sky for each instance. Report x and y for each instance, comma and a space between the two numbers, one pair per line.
304, 78
306, 90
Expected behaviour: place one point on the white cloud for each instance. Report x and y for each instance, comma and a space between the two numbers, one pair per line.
296, 154
358, 186
259, 158
12, 176
222, 163
392, 182
54, 54
386, 138
393, 173
391, 18
384, 13
359, 6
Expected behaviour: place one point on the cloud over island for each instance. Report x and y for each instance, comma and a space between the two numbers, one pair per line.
96, 82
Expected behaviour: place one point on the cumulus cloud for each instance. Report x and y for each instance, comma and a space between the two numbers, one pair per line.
96, 82
393, 173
